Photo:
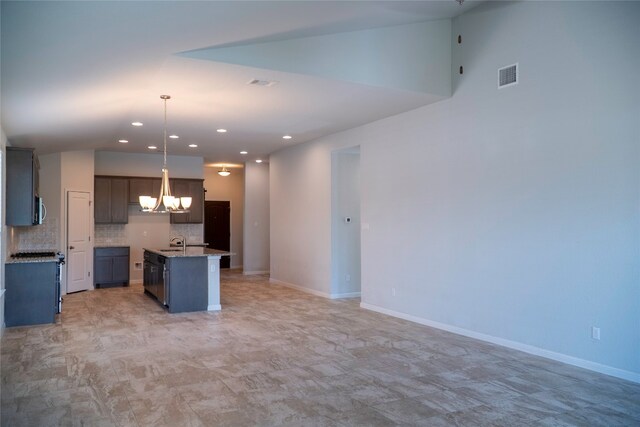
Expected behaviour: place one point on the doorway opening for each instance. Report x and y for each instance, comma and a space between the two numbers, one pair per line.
217, 228
345, 223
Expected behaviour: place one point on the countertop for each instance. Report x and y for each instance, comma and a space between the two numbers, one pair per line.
190, 251
110, 245
25, 260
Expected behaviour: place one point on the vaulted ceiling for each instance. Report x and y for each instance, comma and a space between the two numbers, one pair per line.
74, 75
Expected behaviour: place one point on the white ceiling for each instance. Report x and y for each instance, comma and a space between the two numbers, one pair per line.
76, 74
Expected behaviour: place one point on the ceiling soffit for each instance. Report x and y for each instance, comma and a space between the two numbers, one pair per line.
413, 57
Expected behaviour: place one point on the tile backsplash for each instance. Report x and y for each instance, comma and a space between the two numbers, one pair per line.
38, 237
115, 234
193, 232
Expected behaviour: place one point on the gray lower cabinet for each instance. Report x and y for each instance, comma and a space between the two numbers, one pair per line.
186, 281
180, 283
111, 266
31, 295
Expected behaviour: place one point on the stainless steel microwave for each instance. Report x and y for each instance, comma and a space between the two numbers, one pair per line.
40, 211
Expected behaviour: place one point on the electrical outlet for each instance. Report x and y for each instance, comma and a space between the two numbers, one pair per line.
393, 292
595, 333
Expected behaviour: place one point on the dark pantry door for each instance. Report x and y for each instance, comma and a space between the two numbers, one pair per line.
217, 228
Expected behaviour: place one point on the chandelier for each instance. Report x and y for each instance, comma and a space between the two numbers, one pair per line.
165, 202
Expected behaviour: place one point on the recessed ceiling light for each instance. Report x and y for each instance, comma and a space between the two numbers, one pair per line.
122, 141
152, 147
221, 130
286, 137
136, 123
243, 152
174, 136
258, 161
193, 145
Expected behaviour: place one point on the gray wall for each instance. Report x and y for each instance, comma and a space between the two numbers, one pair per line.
512, 214
256, 218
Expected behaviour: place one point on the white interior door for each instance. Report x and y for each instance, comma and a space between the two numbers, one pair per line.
79, 248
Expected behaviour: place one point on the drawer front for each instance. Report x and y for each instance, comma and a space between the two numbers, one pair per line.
115, 251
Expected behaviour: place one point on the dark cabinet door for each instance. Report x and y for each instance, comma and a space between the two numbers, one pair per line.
120, 269
30, 293
187, 288
143, 187
180, 188
119, 201
189, 188
103, 270
102, 200
22, 177
111, 196
196, 191
111, 266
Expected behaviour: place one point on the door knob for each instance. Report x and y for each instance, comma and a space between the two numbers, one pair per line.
71, 247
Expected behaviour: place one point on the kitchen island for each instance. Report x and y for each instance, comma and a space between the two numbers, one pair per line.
184, 280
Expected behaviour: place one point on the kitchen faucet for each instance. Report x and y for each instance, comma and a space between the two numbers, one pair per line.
181, 240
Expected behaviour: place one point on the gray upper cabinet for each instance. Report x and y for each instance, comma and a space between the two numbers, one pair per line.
111, 200
22, 186
143, 187
194, 189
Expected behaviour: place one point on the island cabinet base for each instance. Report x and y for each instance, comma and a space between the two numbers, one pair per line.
187, 284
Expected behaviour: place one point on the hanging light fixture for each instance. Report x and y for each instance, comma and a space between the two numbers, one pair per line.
172, 204
224, 172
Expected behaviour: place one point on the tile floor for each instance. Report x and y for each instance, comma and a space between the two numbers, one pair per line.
279, 357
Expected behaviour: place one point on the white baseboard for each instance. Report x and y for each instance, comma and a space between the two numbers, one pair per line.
300, 288
314, 292
536, 351
214, 307
345, 295
248, 273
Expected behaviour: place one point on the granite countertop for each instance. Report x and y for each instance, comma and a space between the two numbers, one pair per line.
191, 251
10, 260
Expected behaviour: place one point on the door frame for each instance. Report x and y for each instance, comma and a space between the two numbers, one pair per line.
204, 226
65, 236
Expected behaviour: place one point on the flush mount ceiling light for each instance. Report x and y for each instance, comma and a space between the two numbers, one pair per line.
152, 147
174, 136
243, 152
224, 172
286, 137
136, 123
258, 161
193, 145
221, 130
123, 141
171, 203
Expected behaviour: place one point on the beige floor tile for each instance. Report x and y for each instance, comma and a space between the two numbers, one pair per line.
277, 357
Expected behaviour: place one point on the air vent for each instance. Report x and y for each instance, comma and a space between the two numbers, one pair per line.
508, 76
258, 82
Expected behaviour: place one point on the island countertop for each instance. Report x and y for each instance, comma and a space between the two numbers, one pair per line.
190, 251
